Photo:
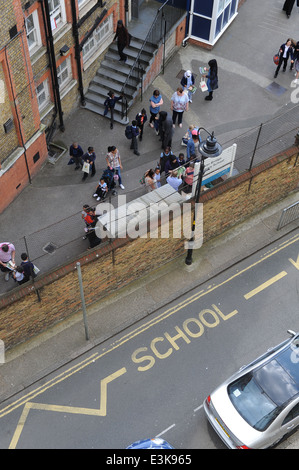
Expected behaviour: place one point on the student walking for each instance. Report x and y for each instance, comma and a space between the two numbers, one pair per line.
288, 7
285, 52
109, 104
123, 39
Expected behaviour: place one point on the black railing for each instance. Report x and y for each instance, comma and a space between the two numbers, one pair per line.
166, 17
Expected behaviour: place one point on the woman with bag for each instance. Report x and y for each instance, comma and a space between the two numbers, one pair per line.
212, 76
285, 51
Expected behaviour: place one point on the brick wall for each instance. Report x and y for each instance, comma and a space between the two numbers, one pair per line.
114, 264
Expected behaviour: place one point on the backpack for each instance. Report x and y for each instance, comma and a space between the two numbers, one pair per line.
128, 132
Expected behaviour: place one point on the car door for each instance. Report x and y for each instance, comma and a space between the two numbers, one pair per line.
291, 421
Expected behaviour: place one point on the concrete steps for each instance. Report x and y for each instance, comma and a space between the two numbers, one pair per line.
112, 74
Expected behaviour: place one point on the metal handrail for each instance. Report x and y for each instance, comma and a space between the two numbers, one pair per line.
137, 60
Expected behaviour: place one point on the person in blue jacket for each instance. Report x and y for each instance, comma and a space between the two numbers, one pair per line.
186, 82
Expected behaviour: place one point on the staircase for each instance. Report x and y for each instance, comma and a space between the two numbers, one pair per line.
113, 74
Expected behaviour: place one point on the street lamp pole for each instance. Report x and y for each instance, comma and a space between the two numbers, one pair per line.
209, 148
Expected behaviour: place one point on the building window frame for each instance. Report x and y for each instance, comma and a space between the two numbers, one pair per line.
33, 31
57, 14
64, 73
43, 95
96, 42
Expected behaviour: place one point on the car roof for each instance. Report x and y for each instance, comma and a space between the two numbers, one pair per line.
279, 377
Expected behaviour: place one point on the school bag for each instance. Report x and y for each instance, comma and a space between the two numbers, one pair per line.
128, 132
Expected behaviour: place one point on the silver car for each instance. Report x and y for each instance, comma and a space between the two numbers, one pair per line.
259, 405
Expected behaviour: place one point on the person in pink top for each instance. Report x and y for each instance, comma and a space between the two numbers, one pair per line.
7, 253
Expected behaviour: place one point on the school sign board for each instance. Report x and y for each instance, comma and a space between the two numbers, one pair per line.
216, 167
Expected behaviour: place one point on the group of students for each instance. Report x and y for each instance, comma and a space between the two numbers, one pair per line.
288, 50
20, 273
80, 158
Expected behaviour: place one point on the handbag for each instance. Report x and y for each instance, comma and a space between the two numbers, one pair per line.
276, 59
203, 85
36, 270
86, 167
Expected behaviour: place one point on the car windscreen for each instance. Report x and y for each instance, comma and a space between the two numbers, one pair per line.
276, 381
252, 403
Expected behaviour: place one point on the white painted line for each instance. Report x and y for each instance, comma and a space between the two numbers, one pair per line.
198, 408
165, 430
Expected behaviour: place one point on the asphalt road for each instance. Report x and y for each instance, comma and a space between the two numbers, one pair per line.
151, 379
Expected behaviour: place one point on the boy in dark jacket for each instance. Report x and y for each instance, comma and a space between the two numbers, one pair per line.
135, 134
27, 266
90, 158
109, 104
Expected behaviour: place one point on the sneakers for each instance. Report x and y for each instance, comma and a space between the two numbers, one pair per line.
98, 198
95, 195
180, 125
121, 186
6, 277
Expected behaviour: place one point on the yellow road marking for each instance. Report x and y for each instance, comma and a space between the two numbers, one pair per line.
26, 399
102, 411
265, 285
138, 330
295, 263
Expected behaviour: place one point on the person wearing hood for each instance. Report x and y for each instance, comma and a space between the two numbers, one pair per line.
187, 82
165, 128
212, 76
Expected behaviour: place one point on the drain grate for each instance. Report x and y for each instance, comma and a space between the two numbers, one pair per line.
50, 248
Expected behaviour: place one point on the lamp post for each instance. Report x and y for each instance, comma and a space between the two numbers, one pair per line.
209, 148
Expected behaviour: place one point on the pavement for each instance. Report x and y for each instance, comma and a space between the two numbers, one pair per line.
244, 55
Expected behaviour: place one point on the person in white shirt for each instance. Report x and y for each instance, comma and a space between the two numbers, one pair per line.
7, 253
286, 50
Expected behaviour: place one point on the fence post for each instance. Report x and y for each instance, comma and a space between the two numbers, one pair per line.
27, 251
82, 300
255, 147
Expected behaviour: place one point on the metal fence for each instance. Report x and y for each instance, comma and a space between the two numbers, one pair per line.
289, 214
56, 244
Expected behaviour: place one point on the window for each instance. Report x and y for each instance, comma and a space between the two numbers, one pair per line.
57, 13
42, 93
64, 73
293, 414
101, 33
33, 32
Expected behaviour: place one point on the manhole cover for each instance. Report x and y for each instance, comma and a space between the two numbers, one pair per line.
50, 248
276, 89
